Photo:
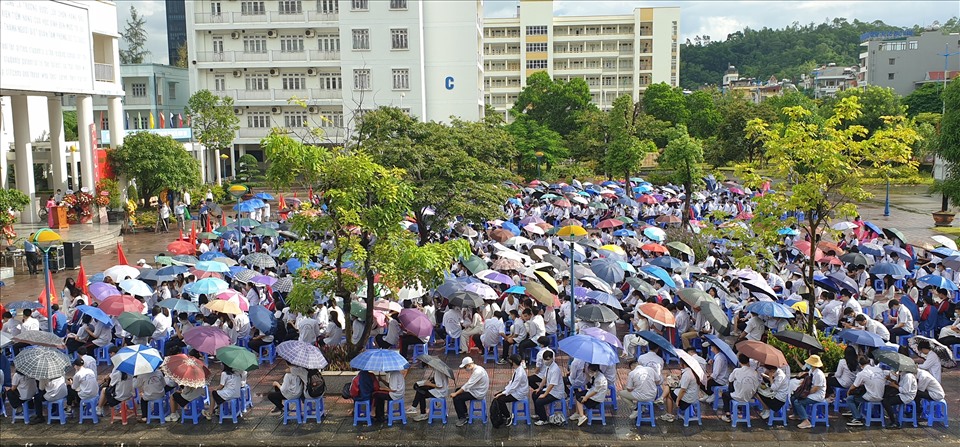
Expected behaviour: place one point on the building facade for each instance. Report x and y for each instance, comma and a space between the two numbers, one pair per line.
828, 80
615, 55
903, 61
176, 29
336, 59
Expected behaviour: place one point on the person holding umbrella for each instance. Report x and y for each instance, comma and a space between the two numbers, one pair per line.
429, 388
816, 393
475, 389
515, 390
290, 389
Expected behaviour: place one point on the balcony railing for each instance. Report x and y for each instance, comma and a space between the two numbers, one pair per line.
267, 17
270, 56
103, 72
281, 96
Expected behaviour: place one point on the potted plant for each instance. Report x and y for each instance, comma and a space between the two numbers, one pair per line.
108, 197
12, 201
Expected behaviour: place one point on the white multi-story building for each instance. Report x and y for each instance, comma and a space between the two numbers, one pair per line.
340, 57
615, 54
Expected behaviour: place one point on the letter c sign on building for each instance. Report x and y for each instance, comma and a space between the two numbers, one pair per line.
448, 82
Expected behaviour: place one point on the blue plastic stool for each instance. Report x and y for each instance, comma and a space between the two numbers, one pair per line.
157, 410
230, 410
160, 344
735, 415
313, 409
778, 416
956, 351
24, 415
267, 353
533, 355
717, 392
554, 340
246, 398
935, 411
612, 397
491, 353
903, 340
599, 413
244, 341
437, 409
192, 412
839, 398
361, 412
102, 354
907, 413
692, 413
477, 409
452, 345
521, 411
60, 407
88, 410
873, 412
8, 352
640, 350
645, 414
292, 411
819, 412
396, 412
558, 406
418, 350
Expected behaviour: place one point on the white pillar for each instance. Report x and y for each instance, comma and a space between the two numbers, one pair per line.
58, 147
24, 151
202, 156
84, 120
217, 163
115, 116
233, 162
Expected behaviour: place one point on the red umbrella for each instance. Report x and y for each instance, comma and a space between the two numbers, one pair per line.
118, 304
186, 370
181, 248
562, 203
657, 314
610, 223
646, 198
654, 248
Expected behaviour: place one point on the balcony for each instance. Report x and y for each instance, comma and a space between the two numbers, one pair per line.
253, 132
317, 55
130, 100
271, 56
103, 72
281, 96
319, 93
317, 16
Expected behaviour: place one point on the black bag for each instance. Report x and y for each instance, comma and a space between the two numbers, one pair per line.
316, 385
497, 418
803, 390
345, 393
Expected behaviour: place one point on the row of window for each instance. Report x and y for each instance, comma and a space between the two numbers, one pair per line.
898, 46
298, 118
257, 43
362, 80
139, 89
328, 81
258, 7
398, 39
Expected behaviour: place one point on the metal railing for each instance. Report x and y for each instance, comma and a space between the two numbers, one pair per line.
103, 72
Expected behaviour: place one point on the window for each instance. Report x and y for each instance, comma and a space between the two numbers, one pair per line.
255, 44
358, 5
891, 61
294, 82
329, 43
398, 4
172, 90
401, 79
890, 76
536, 64
291, 44
361, 79
330, 81
328, 6
912, 45
291, 7
219, 83
139, 90
218, 44
259, 120
537, 30
331, 119
398, 39
537, 47
215, 9
258, 81
295, 119
105, 124
252, 8
361, 39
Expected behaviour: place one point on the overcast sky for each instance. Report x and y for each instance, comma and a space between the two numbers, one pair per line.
712, 18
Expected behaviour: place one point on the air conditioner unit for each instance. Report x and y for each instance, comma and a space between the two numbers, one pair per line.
309, 33
235, 35
237, 73
274, 72
237, 111
313, 109
275, 110
311, 72
272, 33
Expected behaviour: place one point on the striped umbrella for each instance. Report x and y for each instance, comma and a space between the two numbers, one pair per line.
235, 297
379, 360
283, 285
245, 275
136, 360
42, 363
302, 354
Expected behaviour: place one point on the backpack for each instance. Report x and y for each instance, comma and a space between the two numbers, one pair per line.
316, 386
558, 419
497, 418
355, 387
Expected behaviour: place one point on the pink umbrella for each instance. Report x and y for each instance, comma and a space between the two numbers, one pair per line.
235, 297
206, 339
415, 322
602, 335
387, 306
101, 290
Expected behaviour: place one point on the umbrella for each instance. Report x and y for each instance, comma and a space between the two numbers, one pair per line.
654, 248
302, 354
185, 370
596, 313
863, 338
900, 252
654, 233
854, 258
415, 322
505, 264
42, 363
667, 262
501, 234
474, 263
463, 298
547, 281
379, 360
945, 241
938, 348
800, 340
540, 293
20, 305
283, 285
770, 309
137, 324
603, 336
264, 231
136, 287
895, 360
385, 305
243, 274
607, 270
206, 235
571, 231
658, 340
759, 286
237, 357
179, 305
938, 282
871, 249
227, 261
510, 226
894, 233
262, 319
436, 364
260, 260
691, 363
96, 313
557, 262
625, 233
486, 293
136, 360
245, 207
681, 247
725, 349
517, 290
610, 223
121, 272
212, 266
604, 298
263, 280
762, 353
224, 307
172, 270
210, 255
206, 339
888, 268
452, 285
39, 338
715, 316
5, 339
844, 282
207, 286
589, 349
842, 226
657, 314
118, 304
660, 274
693, 296
181, 248
496, 278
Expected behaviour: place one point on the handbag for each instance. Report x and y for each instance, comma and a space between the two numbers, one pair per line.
803, 390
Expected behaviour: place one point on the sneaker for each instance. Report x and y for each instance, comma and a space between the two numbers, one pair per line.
658, 401
846, 413
540, 423
710, 399
207, 415
100, 411
509, 420
805, 425
724, 418
413, 410
764, 414
582, 421
276, 411
420, 417
575, 417
175, 416
855, 423
501, 362
633, 415
461, 422
668, 418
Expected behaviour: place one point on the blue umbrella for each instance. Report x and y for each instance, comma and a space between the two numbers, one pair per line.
212, 266
235, 270
660, 274
293, 264
863, 338
207, 286
667, 262
625, 233
642, 189
99, 277
944, 252
514, 201
912, 306
136, 360
211, 255
580, 292
627, 267
725, 349
871, 249
577, 256
230, 234
20, 305
900, 252
604, 298
825, 282
517, 290
244, 207
262, 319
589, 349
770, 309
938, 282
455, 285
608, 270
888, 268
263, 196
172, 270
787, 232
844, 282
379, 360
873, 227
257, 203
511, 227
627, 202
656, 339
96, 313
178, 305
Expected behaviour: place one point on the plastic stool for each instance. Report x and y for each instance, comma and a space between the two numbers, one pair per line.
717, 392
246, 399
192, 412
639, 350
612, 397
396, 412
418, 350
25, 414
554, 340
88, 410
521, 411
437, 409
230, 410
956, 351
160, 344
244, 341
559, 406
124, 409
361, 412
60, 407
157, 410
669, 358
645, 414
313, 409
598, 413
533, 355
869, 408
267, 353
292, 411
908, 413
452, 346
692, 413
477, 409
903, 340
735, 417
778, 416
102, 355
491, 354
935, 411
839, 398
819, 412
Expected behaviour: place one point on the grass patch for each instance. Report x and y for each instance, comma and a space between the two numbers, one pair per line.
951, 231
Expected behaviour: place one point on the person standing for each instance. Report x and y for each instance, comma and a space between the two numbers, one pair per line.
51, 205
32, 254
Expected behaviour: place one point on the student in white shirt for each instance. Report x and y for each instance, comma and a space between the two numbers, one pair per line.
83, 385
475, 388
595, 395
906, 385
900, 318
774, 390
931, 361
642, 385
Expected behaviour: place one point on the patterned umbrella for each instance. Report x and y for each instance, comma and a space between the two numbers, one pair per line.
136, 360
206, 339
184, 260
39, 338
379, 360
260, 260
302, 354
20, 305
245, 275
238, 358
118, 304
504, 264
42, 363
185, 370
283, 285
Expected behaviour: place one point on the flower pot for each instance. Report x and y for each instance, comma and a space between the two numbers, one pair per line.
943, 218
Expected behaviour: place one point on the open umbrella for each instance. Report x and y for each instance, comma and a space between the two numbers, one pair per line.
888, 268
641, 286
654, 233
800, 340
725, 348
660, 274
596, 313
604, 298
379, 360
212, 266
20, 305
541, 294
436, 364
185, 370
463, 298
136, 287
854, 258
937, 281
181, 248
759, 286
894, 233
121, 272
415, 322
474, 263
602, 335
262, 319
594, 283
657, 313
680, 247
717, 318
302, 354
667, 262
237, 357
137, 324
179, 305
693, 296
762, 353
118, 304
260, 260
206, 339
945, 241
895, 360
224, 307
946, 356
283, 285
42, 363
207, 286
547, 281
770, 309
691, 363
136, 360
39, 338
496, 277
658, 340
96, 313
608, 270
863, 338
589, 349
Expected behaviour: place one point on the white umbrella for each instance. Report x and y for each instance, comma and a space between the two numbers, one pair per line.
529, 272
843, 226
579, 199
513, 254
533, 229
411, 292
518, 240
598, 283
945, 241
121, 272
136, 287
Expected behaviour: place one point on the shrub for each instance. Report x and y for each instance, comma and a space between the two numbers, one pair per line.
338, 358
113, 192
133, 194
831, 356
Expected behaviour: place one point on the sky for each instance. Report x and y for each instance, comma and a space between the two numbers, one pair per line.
697, 18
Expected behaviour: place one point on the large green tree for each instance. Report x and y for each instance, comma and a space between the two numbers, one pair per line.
553, 103
531, 137
135, 37
684, 156
212, 119
665, 103
925, 99
291, 162
156, 162
625, 152
704, 116
876, 103
948, 145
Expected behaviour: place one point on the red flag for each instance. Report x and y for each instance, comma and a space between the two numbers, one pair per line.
162, 121
82, 280
121, 258
310, 194
209, 227
193, 233
281, 204
43, 297
179, 120
294, 194
223, 220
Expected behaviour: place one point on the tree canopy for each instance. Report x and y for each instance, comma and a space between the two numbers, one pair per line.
683, 155
925, 99
156, 162
212, 118
135, 37
553, 103
665, 103
948, 145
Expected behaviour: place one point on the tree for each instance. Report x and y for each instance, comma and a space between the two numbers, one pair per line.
704, 116
291, 162
588, 143
70, 126
948, 145
554, 104
156, 162
212, 118
135, 36
531, 137
665, 103
182, 56
732, 144
11, 201
248, 168
876, 104
625, 152
925, 99
823, 165
683, 155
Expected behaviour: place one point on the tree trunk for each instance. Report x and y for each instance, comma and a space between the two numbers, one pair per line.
423, 230
811, 263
